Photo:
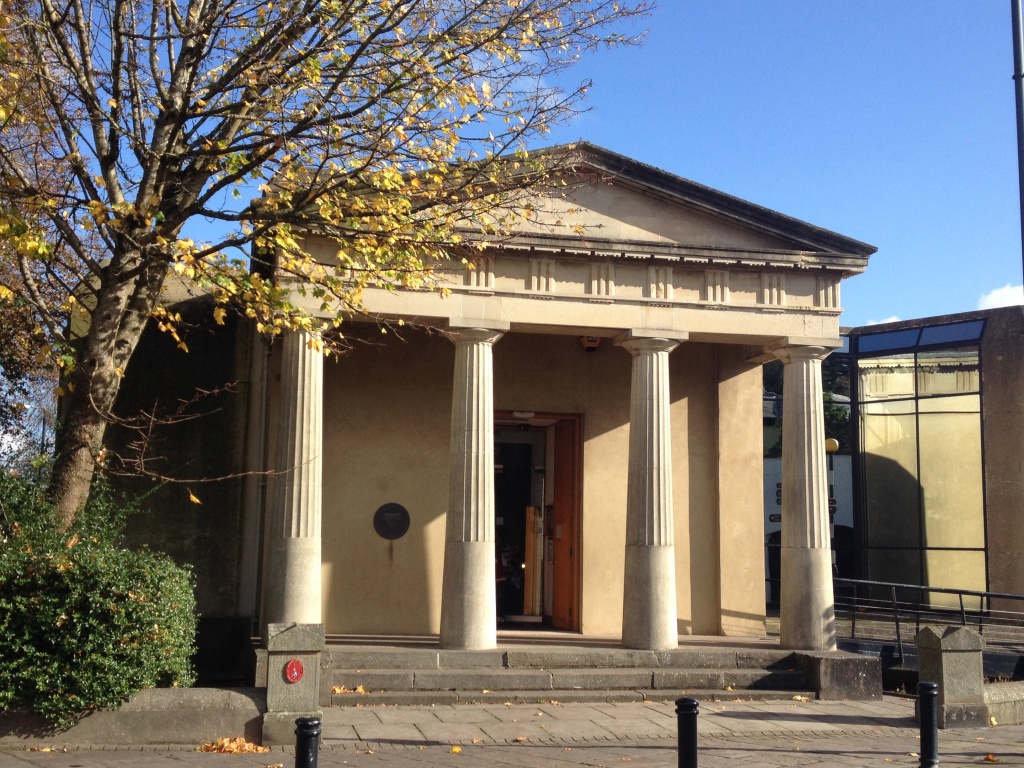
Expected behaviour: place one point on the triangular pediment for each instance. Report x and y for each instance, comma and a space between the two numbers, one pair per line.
610, 203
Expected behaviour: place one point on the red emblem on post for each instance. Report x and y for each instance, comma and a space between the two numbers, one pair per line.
293, 671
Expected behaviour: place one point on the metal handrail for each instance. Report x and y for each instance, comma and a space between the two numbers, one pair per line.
871, 606
1004, 627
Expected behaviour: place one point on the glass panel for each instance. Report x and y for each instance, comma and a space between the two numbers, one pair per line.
949, 371
955, 570
900, 566
946, 334
876, 342
959, 404
951, 475
882, 378
891, 491
888, 408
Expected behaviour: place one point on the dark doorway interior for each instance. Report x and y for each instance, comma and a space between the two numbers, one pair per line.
512, 495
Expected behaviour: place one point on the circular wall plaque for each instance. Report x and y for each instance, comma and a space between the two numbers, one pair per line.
391, 521
293, 671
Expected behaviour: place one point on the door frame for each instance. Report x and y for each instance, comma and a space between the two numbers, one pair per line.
574, 487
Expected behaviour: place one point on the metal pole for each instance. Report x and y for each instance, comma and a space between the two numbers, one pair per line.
928, 711
686, 715
1018, 88
896, 618
307, 741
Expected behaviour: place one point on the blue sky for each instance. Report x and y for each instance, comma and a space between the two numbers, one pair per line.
890, 121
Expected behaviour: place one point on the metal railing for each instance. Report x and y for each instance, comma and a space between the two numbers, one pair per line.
887, 612
883, 610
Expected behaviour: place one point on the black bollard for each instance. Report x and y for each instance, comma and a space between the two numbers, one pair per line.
307, 741
686, 715
928, 711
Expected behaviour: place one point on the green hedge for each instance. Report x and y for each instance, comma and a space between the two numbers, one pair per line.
84, 623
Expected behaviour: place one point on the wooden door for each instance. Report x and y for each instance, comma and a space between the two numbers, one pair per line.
565, 526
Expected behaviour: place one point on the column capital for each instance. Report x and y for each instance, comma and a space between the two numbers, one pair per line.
473, 335
799, 352
637, 345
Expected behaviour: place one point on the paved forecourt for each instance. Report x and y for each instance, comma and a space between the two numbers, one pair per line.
771, 733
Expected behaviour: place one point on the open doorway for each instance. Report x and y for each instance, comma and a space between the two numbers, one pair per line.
537, 519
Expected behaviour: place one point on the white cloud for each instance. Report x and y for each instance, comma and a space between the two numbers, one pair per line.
1007, 296
890, 319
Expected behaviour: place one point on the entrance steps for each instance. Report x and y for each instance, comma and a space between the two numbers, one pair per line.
365, 675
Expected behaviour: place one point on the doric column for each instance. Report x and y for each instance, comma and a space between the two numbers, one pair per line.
468, 605
807, 608
649, 591
292, 575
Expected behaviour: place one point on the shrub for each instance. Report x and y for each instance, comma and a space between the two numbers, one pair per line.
84, 623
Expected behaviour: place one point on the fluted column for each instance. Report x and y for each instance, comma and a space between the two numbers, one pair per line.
807, 607
292, 575
468, 604
649, 591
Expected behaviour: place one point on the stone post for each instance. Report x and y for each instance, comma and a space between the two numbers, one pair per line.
807, 607
292, 575
468, 602
953, 660
649, 591
293, 678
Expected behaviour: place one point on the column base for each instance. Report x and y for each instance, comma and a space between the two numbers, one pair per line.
469, 607
649, 598
807, 607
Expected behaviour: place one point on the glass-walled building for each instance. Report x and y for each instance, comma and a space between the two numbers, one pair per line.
937, 417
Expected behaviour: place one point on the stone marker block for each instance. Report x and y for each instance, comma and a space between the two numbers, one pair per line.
952, 657
293, 675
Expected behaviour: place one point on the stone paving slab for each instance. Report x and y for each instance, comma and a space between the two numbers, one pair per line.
769, 734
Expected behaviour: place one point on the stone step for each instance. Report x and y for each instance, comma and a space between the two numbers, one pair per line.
591, 679
553, 696
369, 657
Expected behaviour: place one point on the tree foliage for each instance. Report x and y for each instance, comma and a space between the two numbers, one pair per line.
392, 126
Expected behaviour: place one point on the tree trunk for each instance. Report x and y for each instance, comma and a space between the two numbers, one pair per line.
123, 306
78, 449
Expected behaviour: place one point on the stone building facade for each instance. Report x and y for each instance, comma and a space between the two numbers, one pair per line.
570, 437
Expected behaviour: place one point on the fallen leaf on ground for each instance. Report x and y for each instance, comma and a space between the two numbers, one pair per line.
275, 765
40, 749
990, 758
456, 750
236, 746
520, 738
801, 698
484, 691
342, 689
992, 721
912, 754
477, 741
